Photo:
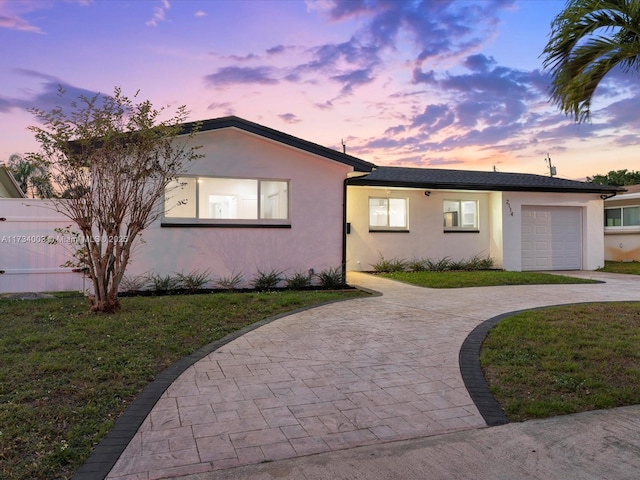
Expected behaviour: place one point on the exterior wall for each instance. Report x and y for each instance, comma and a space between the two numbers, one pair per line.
8, 187
592, 224
622, 244
28, 262
314, 240
426, 237
496, 241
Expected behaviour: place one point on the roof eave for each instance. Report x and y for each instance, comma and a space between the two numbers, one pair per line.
360, 181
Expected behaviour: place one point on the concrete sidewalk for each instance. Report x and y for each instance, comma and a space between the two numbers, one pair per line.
598, 445
363, 372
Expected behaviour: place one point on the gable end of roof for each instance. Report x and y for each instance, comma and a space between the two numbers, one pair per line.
281, 137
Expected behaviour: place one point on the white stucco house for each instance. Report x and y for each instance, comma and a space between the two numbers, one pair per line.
523, 221
622, 226
262, 200
258, 200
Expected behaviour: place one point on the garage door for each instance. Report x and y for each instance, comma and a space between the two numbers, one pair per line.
551, 238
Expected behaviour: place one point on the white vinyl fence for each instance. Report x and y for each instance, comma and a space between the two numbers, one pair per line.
28, 261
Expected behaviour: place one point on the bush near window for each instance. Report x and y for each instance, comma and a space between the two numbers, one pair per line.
477, 262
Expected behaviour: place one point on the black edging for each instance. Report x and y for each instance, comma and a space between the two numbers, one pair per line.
469, 361
106, 454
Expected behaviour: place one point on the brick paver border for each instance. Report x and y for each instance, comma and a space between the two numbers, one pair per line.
114, 443
469, 360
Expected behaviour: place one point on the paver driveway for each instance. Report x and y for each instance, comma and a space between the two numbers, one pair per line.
354, 373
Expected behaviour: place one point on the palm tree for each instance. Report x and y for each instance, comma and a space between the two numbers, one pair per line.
588, 39
32, 178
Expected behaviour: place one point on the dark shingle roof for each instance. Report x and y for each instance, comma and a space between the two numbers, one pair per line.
284, 138
436, 178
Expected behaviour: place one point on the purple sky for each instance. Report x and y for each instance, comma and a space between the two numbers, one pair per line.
441, 83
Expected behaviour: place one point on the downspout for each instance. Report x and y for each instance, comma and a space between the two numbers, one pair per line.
344, 218
607, 197
344, 229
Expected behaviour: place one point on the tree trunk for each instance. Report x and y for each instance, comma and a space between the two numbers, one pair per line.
105, 305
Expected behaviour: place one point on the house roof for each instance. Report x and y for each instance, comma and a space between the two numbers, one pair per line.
436, 178
631, 195
9, 185
286, 139
632, 188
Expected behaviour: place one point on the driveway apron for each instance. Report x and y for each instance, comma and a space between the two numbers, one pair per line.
360, 372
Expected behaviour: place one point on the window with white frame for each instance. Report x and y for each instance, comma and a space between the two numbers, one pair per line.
227, 200
460, 215
622, 217
388, 213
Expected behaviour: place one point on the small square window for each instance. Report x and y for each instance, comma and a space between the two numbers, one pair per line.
613, 217
388, 213
460, 214
631, 216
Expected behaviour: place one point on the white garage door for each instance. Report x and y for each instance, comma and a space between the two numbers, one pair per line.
551, 238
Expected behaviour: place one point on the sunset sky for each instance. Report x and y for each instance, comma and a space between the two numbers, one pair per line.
442, 83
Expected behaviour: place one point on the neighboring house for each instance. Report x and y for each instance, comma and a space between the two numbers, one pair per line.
622, 226
260, 200
9, 188
522, 221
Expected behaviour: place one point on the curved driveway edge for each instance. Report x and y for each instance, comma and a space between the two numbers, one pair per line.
364, 372
114, 443
474, 379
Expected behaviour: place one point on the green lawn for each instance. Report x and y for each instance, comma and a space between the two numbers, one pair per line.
558, 360
630, 268
66, 374
562, 360
479, 278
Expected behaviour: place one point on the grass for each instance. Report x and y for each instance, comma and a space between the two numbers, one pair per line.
479, 278
67, 374
631, 268
563, 360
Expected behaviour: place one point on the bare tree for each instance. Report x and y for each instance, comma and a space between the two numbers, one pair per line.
114, 158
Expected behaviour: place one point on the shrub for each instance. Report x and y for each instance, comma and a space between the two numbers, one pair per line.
332, 278
438, 265
229, 283
134, 284
267, 280
298, 281
417, 265
163, 283
478, 262
194, 280
457, 265
388, 266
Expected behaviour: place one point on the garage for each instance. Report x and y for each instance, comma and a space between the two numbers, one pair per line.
551, 238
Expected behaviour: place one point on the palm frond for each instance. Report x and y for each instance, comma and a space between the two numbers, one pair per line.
588, 39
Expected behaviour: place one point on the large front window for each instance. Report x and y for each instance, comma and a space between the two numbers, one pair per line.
227, 200
460, 215
622, 217
388, 214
